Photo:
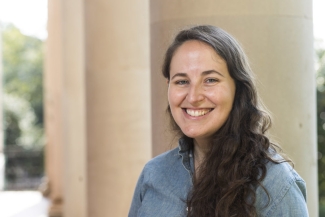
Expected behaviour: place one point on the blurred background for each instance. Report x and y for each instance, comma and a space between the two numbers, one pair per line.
34, 179
23, 33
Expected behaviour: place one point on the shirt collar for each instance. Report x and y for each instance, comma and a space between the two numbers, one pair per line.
184, 144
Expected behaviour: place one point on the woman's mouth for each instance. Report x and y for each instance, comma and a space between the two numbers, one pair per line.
197, 112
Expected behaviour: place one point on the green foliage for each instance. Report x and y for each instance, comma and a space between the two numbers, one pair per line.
23, 108
23, 90
321, 210
23, 68
320, 79
20, 123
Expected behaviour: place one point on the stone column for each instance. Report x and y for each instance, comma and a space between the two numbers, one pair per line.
100, 49
73, 96
54, 109
277, 36
118, 101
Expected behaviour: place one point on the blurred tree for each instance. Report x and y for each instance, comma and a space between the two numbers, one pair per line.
320, 80
23, 68
23, 108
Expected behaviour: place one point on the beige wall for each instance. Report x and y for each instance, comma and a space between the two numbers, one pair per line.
277, 36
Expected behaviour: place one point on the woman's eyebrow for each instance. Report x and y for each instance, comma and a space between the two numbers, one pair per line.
204, 73
212, 71
180, 74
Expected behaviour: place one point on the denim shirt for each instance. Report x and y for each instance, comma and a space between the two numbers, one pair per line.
166, 180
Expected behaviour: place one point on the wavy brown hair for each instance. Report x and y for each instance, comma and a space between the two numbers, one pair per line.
236, 163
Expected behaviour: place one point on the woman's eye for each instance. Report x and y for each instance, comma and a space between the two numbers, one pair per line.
182, 82
211, 80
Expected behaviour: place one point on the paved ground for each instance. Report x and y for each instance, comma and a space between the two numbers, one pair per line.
23, 204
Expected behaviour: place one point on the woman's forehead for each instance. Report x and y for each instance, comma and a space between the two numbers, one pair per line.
196, 55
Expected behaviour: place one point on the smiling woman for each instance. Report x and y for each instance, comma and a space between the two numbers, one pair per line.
200, 93
225, 165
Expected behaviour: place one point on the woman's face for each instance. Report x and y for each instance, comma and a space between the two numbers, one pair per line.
201, 91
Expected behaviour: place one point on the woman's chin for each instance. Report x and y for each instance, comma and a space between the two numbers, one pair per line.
198, 136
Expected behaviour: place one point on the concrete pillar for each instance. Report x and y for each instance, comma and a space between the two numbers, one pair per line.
74, 110
54, 109
65, 109
277, 36
101, 51
118, 101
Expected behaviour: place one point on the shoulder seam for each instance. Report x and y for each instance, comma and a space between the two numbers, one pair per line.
277, 200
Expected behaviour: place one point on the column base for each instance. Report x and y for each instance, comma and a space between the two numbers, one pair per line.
56, 208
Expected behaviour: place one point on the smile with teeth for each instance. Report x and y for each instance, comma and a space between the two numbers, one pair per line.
197, 113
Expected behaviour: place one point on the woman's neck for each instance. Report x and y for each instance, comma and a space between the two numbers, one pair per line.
200, 151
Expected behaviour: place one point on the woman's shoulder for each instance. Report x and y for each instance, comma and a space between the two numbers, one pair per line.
160, 172
163, 161
282, 168
281, 173
283, 185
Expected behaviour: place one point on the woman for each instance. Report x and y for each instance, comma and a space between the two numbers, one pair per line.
225, 165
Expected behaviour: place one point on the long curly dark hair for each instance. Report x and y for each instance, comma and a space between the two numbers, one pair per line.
239, 150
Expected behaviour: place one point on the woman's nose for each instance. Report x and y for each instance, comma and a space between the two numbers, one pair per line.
195, 94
